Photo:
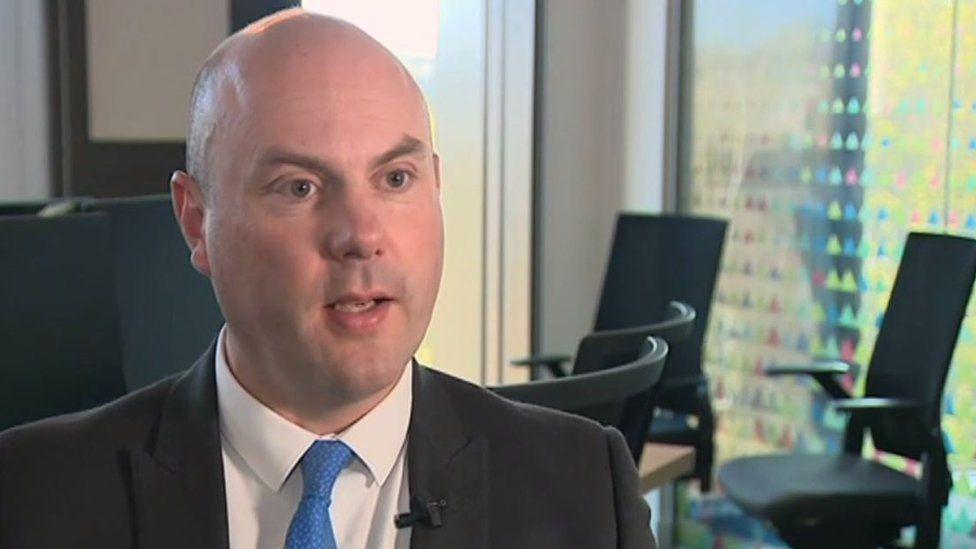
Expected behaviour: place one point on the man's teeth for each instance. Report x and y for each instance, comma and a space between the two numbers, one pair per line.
355, 307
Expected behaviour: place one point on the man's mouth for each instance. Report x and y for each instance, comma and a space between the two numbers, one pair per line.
359, 302
359, 313
357, 306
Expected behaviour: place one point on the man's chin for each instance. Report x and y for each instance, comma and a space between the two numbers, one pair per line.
356, 373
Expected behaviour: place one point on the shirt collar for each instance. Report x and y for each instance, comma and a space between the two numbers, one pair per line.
272, 446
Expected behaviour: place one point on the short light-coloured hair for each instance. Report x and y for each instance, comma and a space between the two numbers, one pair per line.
203, 119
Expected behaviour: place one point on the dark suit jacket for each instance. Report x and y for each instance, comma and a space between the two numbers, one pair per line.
146, 471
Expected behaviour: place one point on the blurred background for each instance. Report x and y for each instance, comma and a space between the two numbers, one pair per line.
823, 131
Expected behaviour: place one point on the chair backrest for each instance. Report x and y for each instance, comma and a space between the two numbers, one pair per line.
610, 348
656, 259
601, 350
583, 393
59, 331
918, 334
168, 312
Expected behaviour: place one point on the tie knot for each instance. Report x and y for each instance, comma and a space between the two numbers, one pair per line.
321, 465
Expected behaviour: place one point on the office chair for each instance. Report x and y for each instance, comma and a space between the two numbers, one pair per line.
602, 350
656, 259
167, 311
58, 327
847, 501
609, 349
600, 394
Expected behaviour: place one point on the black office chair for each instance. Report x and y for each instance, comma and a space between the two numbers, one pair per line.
602, 350
844, 500
600, 394
609, 349
656, 259
167, 311
681, 414
59, 332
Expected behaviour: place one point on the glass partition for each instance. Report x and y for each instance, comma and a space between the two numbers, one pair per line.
825, 131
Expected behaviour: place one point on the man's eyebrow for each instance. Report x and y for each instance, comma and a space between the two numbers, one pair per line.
276, 156
407, 146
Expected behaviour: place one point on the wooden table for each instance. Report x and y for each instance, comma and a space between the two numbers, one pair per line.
663, 463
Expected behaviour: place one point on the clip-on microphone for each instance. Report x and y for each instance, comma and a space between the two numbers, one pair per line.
429, 511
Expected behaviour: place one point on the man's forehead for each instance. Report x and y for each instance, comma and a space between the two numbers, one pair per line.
306, 46
304, 78
339, 82
330, 116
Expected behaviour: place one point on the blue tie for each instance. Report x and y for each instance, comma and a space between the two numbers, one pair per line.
311, 527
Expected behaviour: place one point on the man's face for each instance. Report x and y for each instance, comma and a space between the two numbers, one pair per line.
324, 232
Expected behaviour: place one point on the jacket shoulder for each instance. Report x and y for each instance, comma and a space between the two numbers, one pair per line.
491, 414
121, 422
558, 464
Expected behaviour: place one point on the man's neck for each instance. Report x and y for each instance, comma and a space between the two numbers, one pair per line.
313, 408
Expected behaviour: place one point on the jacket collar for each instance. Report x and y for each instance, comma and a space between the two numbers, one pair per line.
178, 477
447, 466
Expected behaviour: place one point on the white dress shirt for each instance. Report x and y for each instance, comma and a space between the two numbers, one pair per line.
261, 451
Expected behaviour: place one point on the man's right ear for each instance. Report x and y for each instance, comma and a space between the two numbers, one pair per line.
189, 205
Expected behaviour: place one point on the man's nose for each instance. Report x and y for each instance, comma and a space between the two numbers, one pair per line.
354, 231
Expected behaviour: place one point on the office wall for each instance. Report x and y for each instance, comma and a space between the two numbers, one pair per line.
600, 149
142, 58
24, 128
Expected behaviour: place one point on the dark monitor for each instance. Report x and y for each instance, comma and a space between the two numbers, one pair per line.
58, 328
167, 310
21, 208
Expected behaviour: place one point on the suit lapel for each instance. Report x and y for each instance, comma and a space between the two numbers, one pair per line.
178, 478
445, 462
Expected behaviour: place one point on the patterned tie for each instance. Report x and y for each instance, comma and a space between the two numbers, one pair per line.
311, 527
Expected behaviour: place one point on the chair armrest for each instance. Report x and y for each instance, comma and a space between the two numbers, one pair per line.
541, 359
822, 371
896, 413
832, 367
900, 414
553, 362
873, 407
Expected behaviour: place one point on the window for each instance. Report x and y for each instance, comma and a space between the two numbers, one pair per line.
825, 131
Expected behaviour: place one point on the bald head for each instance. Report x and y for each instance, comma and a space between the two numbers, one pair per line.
289, 50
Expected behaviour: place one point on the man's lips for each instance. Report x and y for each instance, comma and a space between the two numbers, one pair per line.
359, 314
352, 299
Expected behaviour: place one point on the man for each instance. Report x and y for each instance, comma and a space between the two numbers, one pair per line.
312, 202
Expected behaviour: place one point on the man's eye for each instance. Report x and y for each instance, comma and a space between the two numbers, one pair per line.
300, 188
398, 179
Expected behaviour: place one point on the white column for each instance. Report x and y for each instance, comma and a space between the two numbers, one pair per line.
25, 172
645, 77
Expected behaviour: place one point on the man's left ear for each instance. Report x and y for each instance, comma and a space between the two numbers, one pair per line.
437, 170
189, 205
